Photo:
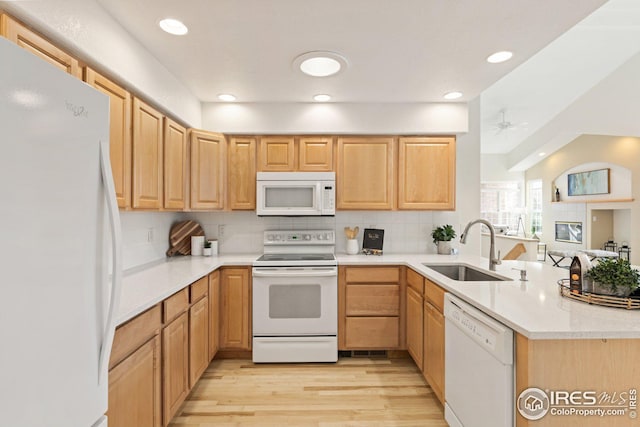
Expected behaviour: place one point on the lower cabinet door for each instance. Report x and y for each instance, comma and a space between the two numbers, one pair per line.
434, 349
134, 388
198, 339
372, 333
414, 326
175, 365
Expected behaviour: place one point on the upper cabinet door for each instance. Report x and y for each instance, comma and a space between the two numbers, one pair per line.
119, 133
207, 170
316, 153
277, 154
241, 176
427, 173
147, 156
365, 173
27, 39
175, 165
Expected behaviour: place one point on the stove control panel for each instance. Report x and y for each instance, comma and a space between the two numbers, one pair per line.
299, 237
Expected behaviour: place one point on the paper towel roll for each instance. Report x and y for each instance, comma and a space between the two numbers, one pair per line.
197, 244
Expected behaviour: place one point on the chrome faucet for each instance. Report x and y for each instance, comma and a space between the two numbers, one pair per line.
493, 261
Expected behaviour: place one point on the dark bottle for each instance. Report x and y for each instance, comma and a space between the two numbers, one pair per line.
557, 195
575, 276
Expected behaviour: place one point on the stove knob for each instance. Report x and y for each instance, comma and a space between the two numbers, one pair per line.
307, 237
320, 237
269, 237
328, 236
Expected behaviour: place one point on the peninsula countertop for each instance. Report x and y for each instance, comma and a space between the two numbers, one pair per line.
533, 308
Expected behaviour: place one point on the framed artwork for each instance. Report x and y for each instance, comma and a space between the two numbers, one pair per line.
589, 182
570, 232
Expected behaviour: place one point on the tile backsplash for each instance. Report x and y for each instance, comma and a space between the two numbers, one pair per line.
242, 232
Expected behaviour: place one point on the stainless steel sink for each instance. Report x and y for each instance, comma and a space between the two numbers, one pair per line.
465, 273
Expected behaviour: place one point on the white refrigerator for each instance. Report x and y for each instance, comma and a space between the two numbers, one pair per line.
60, 252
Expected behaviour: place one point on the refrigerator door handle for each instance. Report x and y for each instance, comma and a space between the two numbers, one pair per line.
116, 274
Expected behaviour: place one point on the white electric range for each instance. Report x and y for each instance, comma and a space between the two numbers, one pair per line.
295, 298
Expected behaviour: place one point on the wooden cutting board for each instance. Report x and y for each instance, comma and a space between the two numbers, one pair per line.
180, 237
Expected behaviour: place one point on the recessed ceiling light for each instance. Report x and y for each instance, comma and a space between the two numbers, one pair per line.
173, 26
541, 154
320, 63
227, 97
452, 95
322, 97
501, 56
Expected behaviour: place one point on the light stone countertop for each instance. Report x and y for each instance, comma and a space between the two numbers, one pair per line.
533, 308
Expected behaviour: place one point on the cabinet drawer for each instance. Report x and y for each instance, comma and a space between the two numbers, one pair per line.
434, 294
373, 274
373, 300
372, 332
199, 289
176, 304
134, 333
415, 281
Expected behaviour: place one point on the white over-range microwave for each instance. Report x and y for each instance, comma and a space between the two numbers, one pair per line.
296, 194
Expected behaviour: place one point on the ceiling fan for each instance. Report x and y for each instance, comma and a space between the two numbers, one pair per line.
504, 124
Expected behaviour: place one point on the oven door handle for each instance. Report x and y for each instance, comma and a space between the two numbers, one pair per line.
295, 272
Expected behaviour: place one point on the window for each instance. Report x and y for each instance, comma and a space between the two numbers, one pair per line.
501, 203
535, 204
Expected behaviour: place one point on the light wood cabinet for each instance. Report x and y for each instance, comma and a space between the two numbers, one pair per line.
175, 165
147, 156
198, 339
415, 325
315, 154
295, 153
235, 309
39, 46
370, 308
119, 133
365, 173
175, 365
433, 341
134, 388
134, 375
241, 178
426, 173
277, 154
207, 170
214, 313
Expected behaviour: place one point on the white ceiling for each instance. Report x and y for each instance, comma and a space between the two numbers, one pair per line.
398, 51
540, 90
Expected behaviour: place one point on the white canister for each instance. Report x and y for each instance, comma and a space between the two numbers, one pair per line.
214, 247
352, 246
197, 244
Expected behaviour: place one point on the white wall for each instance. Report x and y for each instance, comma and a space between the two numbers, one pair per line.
137, 249
331, 118
494, 168
86, 30
622, 226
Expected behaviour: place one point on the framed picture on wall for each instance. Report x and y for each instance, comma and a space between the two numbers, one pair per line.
589, 182
570, 232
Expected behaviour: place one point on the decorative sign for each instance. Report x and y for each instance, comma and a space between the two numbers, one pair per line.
372, 241
590, 182
570, 232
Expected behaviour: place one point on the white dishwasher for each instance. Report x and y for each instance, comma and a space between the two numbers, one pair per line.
479, 369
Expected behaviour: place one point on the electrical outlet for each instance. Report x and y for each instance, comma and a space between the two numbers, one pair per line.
150, 235
221, 229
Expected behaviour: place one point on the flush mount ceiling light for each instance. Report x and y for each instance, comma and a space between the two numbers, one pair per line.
227, 97
541, 154
173, 26
322, 97
452, 95
499, 57
320, 63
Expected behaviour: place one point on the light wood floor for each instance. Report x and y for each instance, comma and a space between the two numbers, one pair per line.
352, 392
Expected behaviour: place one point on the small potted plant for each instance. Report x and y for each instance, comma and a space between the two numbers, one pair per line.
613, 277
442, 237
207, 251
